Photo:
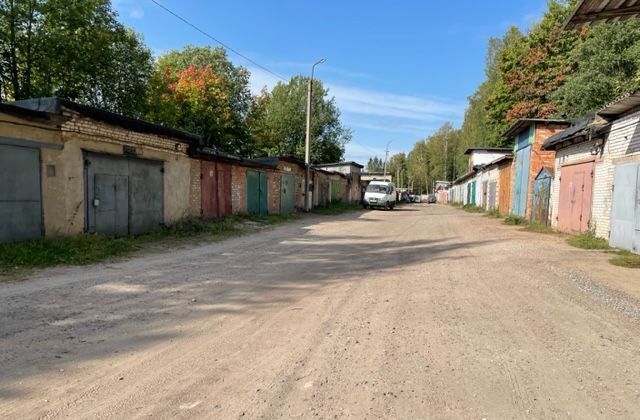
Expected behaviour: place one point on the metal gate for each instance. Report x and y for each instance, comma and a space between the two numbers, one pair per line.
625, 210
216, 189
257, 193
541, 194
521, 184
20, 193
123, 195
287, 194
492, 195
574, 200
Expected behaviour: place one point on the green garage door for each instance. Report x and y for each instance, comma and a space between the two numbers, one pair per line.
287, 194
20, 195
257, 192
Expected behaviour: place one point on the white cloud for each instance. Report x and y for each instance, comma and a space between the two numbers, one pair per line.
383, 104
260, 78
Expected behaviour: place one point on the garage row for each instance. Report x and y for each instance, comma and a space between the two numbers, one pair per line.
67, 168
575, 176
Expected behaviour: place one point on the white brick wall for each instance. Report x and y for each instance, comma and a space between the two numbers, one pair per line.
616, 148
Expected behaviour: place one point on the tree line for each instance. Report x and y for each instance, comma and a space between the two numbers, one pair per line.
78, 50
545, 72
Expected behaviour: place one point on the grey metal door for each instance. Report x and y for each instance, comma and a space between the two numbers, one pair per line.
111, 203
20, 193
625, 209
146, 192
123, 195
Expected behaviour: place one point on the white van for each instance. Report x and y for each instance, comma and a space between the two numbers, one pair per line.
380, 194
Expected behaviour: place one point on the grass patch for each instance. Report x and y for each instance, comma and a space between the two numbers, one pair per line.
78, 250
539, 228
456, 204
334, 209
626, 259
515, 220
472, 208
93, 248
494, 213
588, 240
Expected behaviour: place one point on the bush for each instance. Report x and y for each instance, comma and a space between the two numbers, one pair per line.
494, 213
515, 220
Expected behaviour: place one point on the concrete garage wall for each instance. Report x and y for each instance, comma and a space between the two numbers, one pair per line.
64, 213
63, 169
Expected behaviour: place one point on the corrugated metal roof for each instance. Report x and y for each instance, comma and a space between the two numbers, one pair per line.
579, 131
523, 123
621, 105
595, 11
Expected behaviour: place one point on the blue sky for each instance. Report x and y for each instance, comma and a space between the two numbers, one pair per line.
398, 70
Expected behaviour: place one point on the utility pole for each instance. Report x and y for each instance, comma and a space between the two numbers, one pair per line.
446, 150
307, 145
386, 156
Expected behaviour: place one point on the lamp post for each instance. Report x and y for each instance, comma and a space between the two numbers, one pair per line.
307, 146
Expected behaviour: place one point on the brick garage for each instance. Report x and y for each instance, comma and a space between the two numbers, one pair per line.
77, 130
528, 136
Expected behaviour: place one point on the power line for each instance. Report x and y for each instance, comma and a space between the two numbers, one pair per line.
203, 32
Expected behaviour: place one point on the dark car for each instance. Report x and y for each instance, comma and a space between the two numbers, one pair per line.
432, 199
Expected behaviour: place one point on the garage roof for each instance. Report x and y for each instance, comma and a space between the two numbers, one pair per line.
621, 105
488, 149
523, 123
595, 11
55, 105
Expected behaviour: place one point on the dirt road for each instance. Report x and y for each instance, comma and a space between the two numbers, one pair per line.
422, 313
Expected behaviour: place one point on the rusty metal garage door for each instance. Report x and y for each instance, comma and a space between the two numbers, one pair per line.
216, 189
574, 199
20, 194
123, 195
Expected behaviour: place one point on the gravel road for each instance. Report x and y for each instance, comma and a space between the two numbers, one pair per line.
426, 312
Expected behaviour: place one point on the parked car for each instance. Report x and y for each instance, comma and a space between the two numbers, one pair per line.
432, 199
416, 198
380, 194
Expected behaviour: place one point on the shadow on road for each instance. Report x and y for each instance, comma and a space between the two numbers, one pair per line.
129, 302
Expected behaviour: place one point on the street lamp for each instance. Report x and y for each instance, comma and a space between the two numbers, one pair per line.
307, 146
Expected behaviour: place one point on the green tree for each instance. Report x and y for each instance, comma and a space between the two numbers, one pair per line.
198, 89
397, 166
532, 69
284, 122
73, 49
375, 164
607, 65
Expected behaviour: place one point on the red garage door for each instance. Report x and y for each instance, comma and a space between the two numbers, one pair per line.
574, 205
216, 190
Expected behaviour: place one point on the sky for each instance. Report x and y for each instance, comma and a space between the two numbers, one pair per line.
398, 69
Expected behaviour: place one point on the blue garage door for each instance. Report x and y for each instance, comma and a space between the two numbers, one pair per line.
521, 184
